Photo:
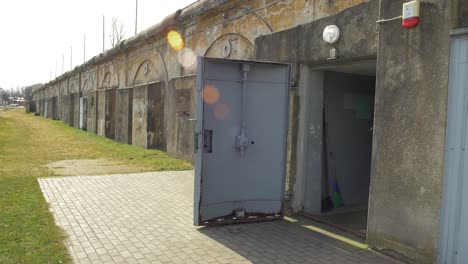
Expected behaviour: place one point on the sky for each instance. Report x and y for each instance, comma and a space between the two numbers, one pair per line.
36, 34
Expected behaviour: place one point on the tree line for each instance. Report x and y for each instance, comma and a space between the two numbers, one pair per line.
7, 96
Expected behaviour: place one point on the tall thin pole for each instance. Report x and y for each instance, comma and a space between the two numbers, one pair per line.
103, 32
84, 49
71, 58
136, 17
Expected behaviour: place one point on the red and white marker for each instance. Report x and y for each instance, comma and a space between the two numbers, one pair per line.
410, 14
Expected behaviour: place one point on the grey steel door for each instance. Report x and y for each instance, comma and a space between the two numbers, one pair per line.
453, 244
241, 136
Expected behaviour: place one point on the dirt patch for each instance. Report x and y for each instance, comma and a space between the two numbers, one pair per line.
91, 167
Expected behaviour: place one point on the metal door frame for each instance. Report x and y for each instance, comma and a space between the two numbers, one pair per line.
198, 138
453, 171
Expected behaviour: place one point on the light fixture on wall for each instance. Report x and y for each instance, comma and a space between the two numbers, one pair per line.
331, 34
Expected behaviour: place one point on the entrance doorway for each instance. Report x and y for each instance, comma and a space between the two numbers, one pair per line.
343, 178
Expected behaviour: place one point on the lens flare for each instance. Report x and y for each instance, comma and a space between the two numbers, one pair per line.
210, 94
175, 40
187, 59
221, 111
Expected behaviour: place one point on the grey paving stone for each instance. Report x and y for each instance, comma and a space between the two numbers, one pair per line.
147, 218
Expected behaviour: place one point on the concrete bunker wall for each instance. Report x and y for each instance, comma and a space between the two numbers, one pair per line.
148, 116
156, 137
136, 62
49, 113
41, 107
109, 116
65, 109
182, 109
409, 136
101, 112
76, 109
124, 115
55, 107
92, 112
139, 117
410, 113
462, 18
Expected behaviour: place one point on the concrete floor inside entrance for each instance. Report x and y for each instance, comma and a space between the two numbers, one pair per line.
351, 221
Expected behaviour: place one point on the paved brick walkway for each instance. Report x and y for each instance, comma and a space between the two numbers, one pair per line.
147, 218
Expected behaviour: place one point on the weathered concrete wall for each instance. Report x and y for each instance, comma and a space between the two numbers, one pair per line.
182, 106
148, 123
101, 112
76, 110
463, 14
49, 113
63, 91
304, 43
71, 110
74, 103
409, 134
92, 112
410, 102
124, 113
41, 107
110, 113
148, 58
140, 116
55, 108
156, 136
66, 104
37, 102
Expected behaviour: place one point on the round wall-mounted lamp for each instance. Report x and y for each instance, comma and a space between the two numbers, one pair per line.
331, 34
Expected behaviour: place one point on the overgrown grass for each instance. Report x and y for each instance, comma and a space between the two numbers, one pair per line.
27, 231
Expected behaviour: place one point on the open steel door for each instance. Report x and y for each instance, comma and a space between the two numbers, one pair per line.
240, 140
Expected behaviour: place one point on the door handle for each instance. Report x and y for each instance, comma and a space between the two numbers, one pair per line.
208, 141
195, 142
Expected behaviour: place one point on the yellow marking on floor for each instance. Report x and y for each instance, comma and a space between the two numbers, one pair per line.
337, 237
289, 219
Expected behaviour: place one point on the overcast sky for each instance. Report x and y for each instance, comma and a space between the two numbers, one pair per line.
36, 33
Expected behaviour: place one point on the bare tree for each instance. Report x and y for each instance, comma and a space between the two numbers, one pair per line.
117, 33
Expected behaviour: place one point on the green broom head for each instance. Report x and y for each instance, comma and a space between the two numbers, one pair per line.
336, 196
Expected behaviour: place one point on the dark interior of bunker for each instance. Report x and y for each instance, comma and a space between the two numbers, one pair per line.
348, 113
